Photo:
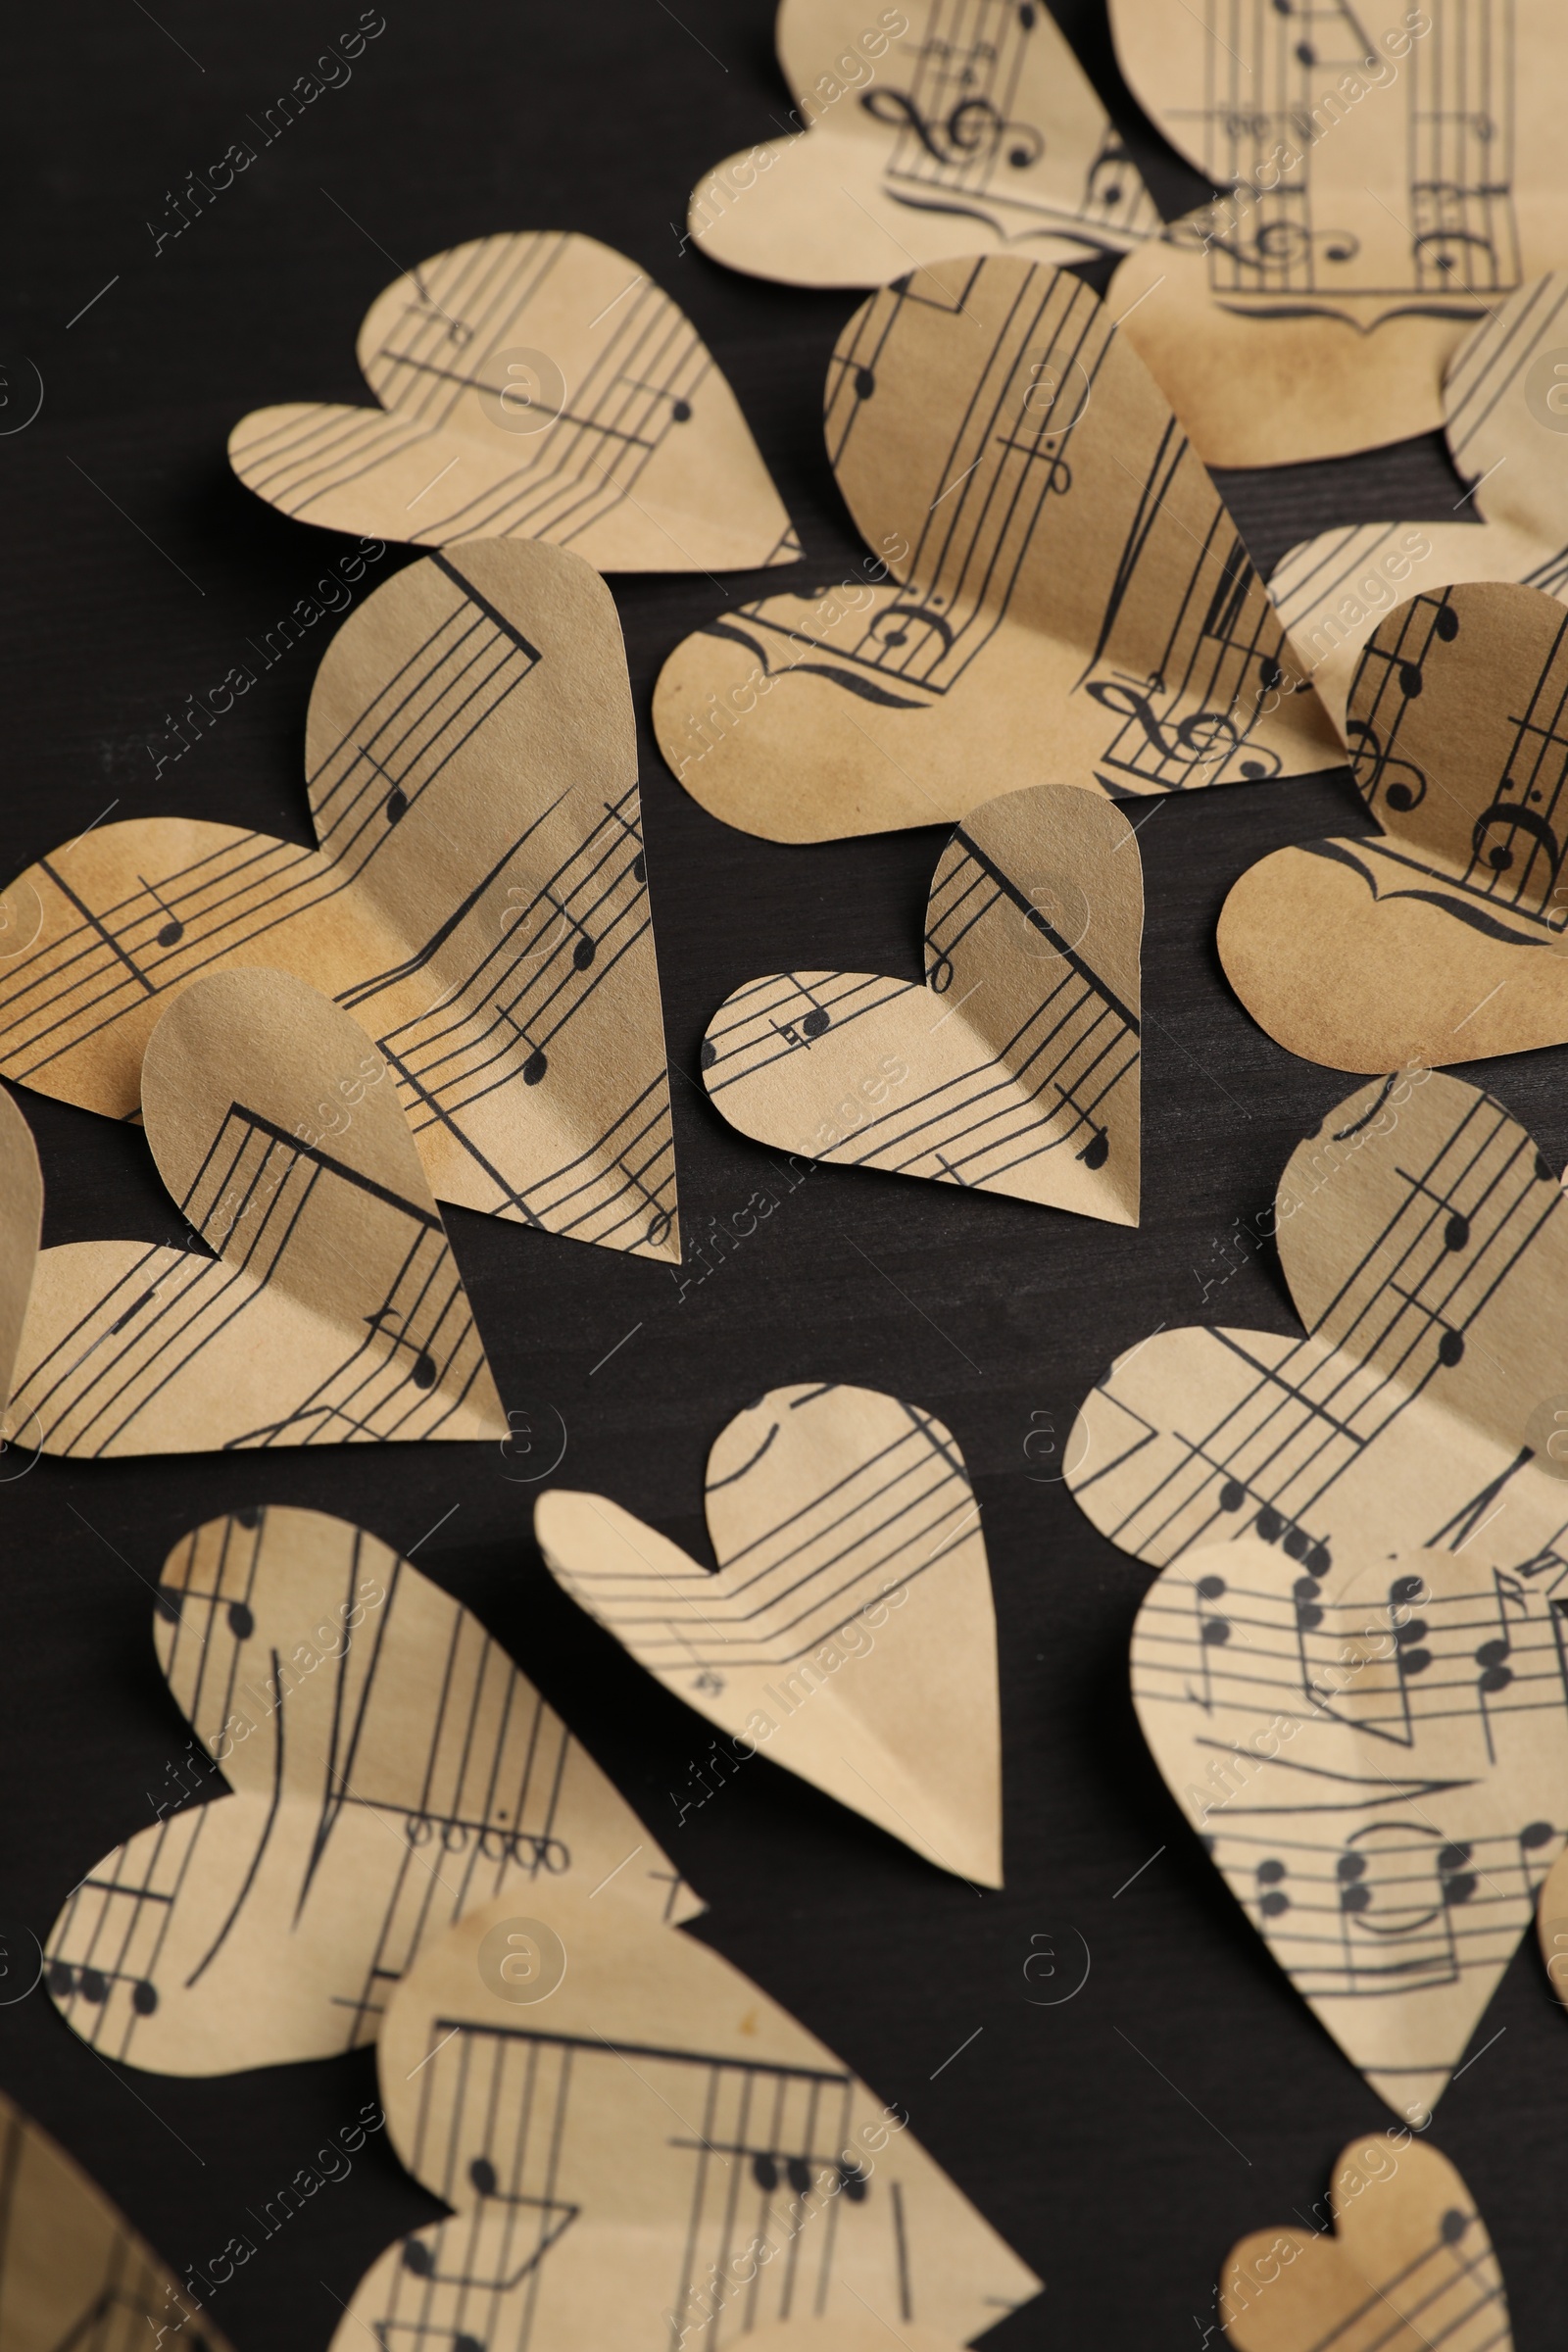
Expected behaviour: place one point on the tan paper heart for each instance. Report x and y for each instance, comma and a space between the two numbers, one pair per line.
391, 1769
1068, 597
1425, 1241
831, 1510
1376, 1757
928, 136
20, 1224
1014, 1069
537, 386
645, 2151
1443, 939
334, 1312
1408, 2265
1389, 172
479, 900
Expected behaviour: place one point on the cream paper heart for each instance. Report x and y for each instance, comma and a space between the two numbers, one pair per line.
20, 1225
1425, 1241
1390, 173
643, 2150
830, 1510
1408, 2265
1014, 1069
333, 1313
536, 386
927, 134
478, 902
1376, 1758
1443, 939
391, 1769
1066, 594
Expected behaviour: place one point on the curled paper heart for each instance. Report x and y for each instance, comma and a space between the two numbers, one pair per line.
537, 386
21, 1223
391, 1769
333, 1312
1425, 1241
928, 136
1389, 172
638, 2141
478, 902
1376, 1757
1443, 940
831, 1511
1408, 2264
1014, 1069
1065, 588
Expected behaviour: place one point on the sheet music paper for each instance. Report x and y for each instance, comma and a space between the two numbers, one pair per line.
1390, 173
945, 127
391, 1769
1425, 1241
1376, 1758
1443, 939
651, 2145
332, 1314
1065, 597
1015, 1068
478, 902
21, 1223
1408, 2264
848, 1633
74, 2276
536, 386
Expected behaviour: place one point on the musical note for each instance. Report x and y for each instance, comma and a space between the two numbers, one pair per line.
423, 1374
171, 932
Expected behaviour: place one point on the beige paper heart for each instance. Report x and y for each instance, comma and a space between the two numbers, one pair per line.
1376, 1757
479, 900
645, 2151
1014, 1069
1069, 598
21, 1223
1443, 939
391, 1770
849, 1630
1425, 1241
946, 135
1410, 2266
536, 386
1389, 175
334, 1312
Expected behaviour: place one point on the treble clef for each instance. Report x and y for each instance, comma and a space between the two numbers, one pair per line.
973, 128
1191, 741
1509, 821
1373, 768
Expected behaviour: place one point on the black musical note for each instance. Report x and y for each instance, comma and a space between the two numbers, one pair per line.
171, 933
423, 1374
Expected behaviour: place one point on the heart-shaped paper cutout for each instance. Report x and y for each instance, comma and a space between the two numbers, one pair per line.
921, 146
1443, 940
391, 1770
334, 1312
537, 386
1376, 1758
849, 1630
1425, 1241
1390, 174
1068, 598
1015, 1068
21, 1223
638, 2141
479, 902
1410, 2266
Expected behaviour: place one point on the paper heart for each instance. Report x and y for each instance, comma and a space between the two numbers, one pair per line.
334, 1312
479, 900
1505, 407
921, 146
1015, 1068
21, 1223
1410, 2266
391, 1770
638, 2141
1443, 940
537, 386
1376, 1757
1425, 1241
1389, 175
1070, 601
830, 1510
